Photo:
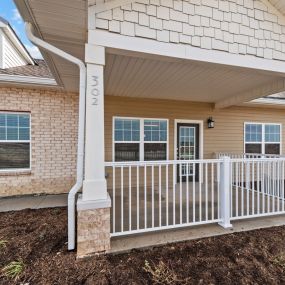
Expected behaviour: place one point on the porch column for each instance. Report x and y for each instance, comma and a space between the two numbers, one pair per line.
93, 223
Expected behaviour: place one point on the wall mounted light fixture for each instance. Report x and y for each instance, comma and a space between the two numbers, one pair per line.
211, 123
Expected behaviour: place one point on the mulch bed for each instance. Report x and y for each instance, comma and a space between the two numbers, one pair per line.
39, 239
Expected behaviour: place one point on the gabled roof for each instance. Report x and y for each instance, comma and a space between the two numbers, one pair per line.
17, 44
26, 70
40, 69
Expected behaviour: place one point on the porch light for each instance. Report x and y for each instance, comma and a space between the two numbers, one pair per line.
211, 123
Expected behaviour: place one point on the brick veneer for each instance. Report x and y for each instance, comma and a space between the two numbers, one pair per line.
54, 118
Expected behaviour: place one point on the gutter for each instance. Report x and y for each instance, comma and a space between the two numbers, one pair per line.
81, 129
28, 80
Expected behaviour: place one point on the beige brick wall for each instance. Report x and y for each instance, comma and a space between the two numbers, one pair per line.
54, 118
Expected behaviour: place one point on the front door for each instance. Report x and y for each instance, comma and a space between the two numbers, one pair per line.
187, 149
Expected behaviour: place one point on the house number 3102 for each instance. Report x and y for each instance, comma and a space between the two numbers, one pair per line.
95, 91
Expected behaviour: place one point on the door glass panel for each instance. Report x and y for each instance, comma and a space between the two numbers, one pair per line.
186, 147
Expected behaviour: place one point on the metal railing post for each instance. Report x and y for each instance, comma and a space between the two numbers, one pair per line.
225, 199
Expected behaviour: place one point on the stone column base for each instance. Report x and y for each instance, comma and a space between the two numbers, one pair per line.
93, 227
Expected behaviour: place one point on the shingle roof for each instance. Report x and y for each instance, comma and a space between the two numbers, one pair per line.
40, 69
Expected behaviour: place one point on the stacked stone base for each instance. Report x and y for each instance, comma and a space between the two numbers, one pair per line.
93, 231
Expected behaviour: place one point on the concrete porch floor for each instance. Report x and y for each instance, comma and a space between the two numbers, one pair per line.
251, 199
148, 240
202, 207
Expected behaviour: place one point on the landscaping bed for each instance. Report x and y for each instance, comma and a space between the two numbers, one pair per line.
36, 241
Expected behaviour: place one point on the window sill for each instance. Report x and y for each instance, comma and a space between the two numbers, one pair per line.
15, 172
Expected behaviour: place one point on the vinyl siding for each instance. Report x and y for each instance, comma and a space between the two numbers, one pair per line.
227, 136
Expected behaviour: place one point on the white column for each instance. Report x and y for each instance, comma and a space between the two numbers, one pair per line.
225, 199
94, 184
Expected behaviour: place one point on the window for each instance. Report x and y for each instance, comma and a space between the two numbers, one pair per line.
140, 139
14, 141
262, 138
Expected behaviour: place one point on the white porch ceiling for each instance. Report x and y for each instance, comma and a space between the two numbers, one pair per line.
64, 24
192, 81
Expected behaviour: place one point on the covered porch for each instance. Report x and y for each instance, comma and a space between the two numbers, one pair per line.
147, 196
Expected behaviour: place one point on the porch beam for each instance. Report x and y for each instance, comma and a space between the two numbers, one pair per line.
262, 91
158, 50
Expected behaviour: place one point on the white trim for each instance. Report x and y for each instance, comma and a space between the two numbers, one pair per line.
16, 79
263, 143
17, 43
180, 51
141, 142
13, 170
201, 135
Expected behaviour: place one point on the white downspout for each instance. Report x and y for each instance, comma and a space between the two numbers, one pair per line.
81, 129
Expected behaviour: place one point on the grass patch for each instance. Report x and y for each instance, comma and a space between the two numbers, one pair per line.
3, 243
162, 274
13, 270
280, 261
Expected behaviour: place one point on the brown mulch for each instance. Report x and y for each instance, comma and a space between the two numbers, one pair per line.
39, 239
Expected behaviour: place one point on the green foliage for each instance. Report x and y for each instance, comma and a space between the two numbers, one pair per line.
13, 270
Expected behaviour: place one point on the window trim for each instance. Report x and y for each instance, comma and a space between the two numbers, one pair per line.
15, 170
140, 142
263, 142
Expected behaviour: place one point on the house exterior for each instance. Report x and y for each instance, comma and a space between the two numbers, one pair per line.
175, 124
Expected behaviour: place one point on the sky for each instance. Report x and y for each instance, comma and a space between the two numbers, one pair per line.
9, 12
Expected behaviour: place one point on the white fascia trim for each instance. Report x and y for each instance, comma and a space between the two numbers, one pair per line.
181, 52
261, 91
267, 102
28, 80
19, 46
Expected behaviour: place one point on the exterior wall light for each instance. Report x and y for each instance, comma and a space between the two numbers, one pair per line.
211, 123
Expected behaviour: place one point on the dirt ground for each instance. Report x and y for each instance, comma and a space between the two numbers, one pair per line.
38, 238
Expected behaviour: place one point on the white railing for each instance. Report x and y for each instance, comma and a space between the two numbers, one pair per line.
157, 195
246, 155
148, 196
257, 187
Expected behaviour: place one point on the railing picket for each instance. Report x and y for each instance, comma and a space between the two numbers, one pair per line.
206, 190
114, 199
242, 188
173, 193
258, 187
193, 191
200, 191
122, 198
236, 186
145, 197
167, 193
138, 197
212, 191
180, 193
130, 198
187, 192
152, 196
159, 193
252, 190
282, 185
